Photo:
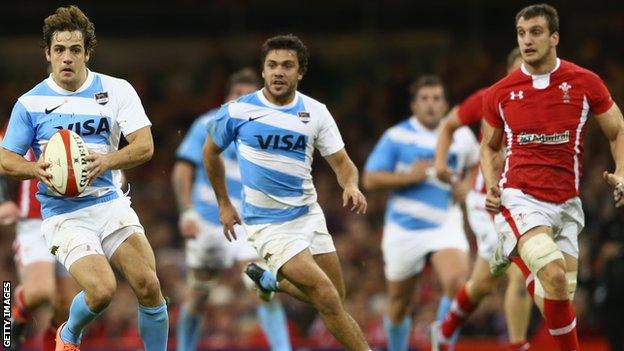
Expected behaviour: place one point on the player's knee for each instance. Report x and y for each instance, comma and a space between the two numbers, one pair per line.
147, 288
39, 296
553, 280
325, 298
483, 286
99, 298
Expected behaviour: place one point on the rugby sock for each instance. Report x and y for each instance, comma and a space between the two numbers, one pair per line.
461, 309
268, 281
275, 325
398, 334
519, 346
48, 341
154, 327
528, 276
561, 323
443, 307
79, 316
20, 313
189, 326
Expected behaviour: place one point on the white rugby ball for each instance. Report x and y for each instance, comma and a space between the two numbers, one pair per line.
67, 154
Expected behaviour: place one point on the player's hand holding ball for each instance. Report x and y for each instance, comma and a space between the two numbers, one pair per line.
352, 194
617, 182
98, 164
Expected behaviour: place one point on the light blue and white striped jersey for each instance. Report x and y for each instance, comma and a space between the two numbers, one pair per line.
424, 205
99, 111
275, 145
191, 150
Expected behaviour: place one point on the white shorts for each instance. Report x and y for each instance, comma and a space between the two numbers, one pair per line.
29, 244
277, 243
482, 225
405, 251
521, 212
211, 250
98, 229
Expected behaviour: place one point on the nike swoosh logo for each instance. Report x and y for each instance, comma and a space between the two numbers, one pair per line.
255, 118
48, 111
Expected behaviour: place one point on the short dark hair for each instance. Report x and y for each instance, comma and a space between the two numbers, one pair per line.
428, 80
287, 42
513, 56
69, 18
545, 10
244, 76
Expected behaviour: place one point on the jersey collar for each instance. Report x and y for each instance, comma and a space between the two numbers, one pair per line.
526, 71
52, 84
266, 102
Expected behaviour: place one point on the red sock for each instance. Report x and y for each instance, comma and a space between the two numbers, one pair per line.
19, 311
561, 322
48, 339
461, 309
519, 346
528, 276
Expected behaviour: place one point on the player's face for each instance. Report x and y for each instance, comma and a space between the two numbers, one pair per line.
535, 40
429, 105
281, 74
239, 90
68, 58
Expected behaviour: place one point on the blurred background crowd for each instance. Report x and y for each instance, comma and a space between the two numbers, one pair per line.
364, 55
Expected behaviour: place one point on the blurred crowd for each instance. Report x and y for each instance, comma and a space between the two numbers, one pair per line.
366, 94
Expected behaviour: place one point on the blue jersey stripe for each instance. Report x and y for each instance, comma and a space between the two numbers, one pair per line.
52, 205
270, 181
408, 222
260, 215
426, 193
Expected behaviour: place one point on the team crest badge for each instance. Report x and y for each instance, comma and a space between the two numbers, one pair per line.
304, 116
101, 98
565, 87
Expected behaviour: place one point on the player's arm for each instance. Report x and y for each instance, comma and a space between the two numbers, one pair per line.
139, 150
445, 139
612, 125
16, 166
216, 173
348, 178
182, 182
491, 163
382, 180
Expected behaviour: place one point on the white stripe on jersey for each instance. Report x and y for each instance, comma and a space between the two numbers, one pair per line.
509, 133
276, 162
260, 199
577, 142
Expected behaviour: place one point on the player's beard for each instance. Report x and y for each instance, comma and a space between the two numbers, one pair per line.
539, 61
283, 95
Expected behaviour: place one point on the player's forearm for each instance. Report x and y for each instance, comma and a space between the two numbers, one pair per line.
182, 182
491, 165
347, 174
135, 153
617, 150
374, 181
216, 173
445, 138
15, 166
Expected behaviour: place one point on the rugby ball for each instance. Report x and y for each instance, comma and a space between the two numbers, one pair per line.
67, 154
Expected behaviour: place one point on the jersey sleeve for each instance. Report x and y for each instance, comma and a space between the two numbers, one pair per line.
20, 133
384, 156
328, 140
471, 109
131, 114
598, 95
191, 147
490, 109
222, 128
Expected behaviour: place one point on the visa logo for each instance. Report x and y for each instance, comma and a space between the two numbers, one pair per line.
282, 142
88, 127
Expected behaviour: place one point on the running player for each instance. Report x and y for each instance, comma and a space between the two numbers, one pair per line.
97, 231
44, 283
541, 112
275, 131
207, 251
482, 282
421, 222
